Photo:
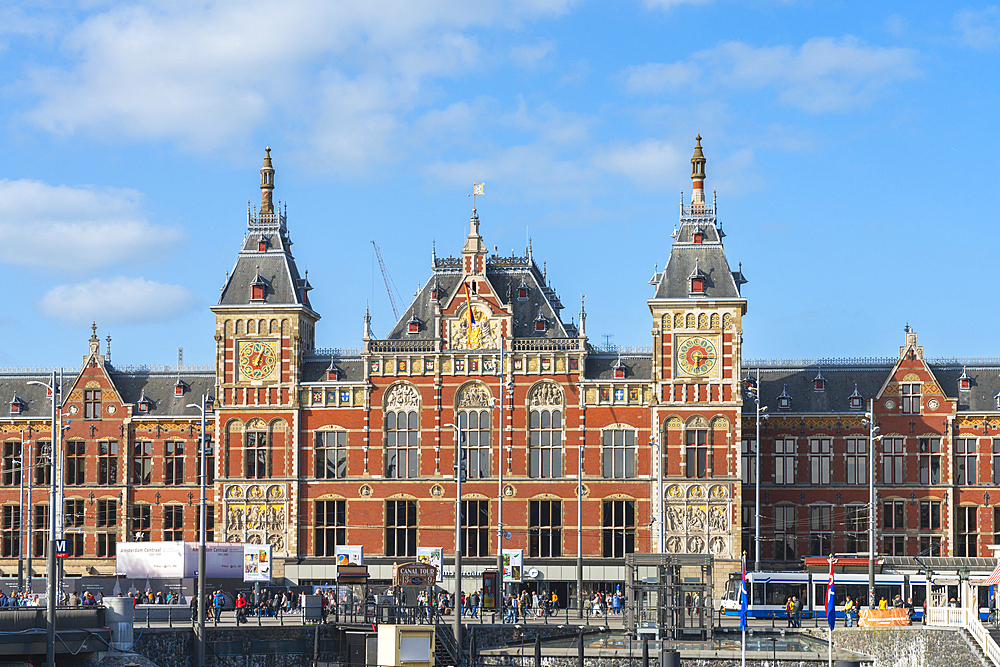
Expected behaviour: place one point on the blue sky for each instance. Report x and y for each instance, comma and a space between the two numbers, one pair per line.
854, 149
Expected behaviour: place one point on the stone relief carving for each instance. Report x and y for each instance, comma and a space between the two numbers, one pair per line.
718, 545
674, 518
257, 514
402, 396
697, 422
696, 519
717, 519
475, 396
696, 545
718, 491
696, 491
546, 394
674, 544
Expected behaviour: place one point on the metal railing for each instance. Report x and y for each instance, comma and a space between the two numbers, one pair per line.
376, 346
953, 617
547, 344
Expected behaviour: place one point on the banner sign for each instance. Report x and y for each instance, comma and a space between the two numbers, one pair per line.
491, 586
350, 554
414, 574
513, 565
257, 562
175, 560
432, 556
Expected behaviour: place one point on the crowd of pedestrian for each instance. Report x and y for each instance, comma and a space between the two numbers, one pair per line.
19, 599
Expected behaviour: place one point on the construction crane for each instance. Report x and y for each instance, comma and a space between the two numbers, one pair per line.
385, 277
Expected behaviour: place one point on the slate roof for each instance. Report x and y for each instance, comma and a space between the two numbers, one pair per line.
505, 276
158, 388
985, 381
276, 265
314, 368
602, 367
34, 399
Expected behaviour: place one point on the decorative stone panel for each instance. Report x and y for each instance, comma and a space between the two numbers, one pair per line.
257, 513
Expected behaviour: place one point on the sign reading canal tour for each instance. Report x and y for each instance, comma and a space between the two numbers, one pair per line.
257, 562
414, 574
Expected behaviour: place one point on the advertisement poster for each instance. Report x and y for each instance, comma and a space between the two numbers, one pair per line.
513, 565
350, 554
150, 560
491, 586
257, 562
432, 556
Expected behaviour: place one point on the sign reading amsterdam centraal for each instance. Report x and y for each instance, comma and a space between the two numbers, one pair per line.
175, 560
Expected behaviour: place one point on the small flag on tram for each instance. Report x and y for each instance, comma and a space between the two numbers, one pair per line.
831, 607
744, 603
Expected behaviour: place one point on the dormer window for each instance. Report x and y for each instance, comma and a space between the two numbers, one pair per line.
332, 374
262, 244
697, 280
784, 400
964, 382
413, 326
856, 400
619, 370
522, 291
144, 404
819, 382
541, 324
179, 388
699, 236
16, 406
258, 288
996, 400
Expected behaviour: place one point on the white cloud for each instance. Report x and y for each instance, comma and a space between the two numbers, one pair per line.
670, 4
118, 300
978, 29
209, 74
529, 56
822, 75
651, 163
77, 228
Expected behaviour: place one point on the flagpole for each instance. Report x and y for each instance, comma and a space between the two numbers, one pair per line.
831, 612
743, 610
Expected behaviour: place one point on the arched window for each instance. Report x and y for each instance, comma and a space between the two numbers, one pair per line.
545, 443
401, 451
474, 426
257, 457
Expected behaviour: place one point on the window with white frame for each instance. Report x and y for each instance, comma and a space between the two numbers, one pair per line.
855, 528
820, 459
910, 398
618, 452
930, 460
894, 515
784, 460
893, 458
856, 463
331, 454
697, 452
749, 461
967, 524
474, 425
545, 443
820, 530
784, 533
894, 545
401, 451
965, 460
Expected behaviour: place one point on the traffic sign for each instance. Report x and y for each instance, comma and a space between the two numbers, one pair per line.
62, 549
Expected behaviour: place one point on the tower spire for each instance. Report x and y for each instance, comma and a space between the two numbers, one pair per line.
698, 178
266, 184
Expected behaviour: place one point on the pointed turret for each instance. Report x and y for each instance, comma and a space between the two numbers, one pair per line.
698, 177
266, 184
474, 252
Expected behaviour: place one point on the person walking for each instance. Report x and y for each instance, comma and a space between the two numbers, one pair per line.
849, 612
789, 608
241, 606
218, 603
797, 611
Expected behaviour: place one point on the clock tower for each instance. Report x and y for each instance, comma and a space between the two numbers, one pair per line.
697, 311
264, 324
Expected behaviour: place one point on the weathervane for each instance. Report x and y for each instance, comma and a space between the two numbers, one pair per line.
477, 189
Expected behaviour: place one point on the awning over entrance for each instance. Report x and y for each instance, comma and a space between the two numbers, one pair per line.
994, 577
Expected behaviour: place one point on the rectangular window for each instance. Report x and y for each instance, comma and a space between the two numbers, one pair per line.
820, 530
209, 460
40, 530
857, 460
965, 460
74, 544
545, 529
474, 426
74, 513
894, 545
140, 522
209, 523
11, 464
401, 528
820, 458
76, 459
855, 529
545, 443
967, 523
618, 528
475, 528
696, 442
10, 531
142, 463
930, 515
256, 453
893, 456
910, 395
894, 515
331, 454
92, 404
930, 460
173, 523
107, 462
43, 473
173, 463
996, 460
749, 461
402, 447
330, 527
618, 450
106, 543
107, 513
784, 533
996, 525
784, 460
930, 545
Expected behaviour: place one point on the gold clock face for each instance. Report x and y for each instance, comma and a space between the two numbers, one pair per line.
697, 355
258, 359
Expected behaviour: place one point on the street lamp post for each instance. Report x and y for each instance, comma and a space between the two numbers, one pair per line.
753, 390
50, 626
205, 407
873, 437
459, 471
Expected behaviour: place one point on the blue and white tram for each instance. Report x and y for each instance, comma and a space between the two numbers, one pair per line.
768, 592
